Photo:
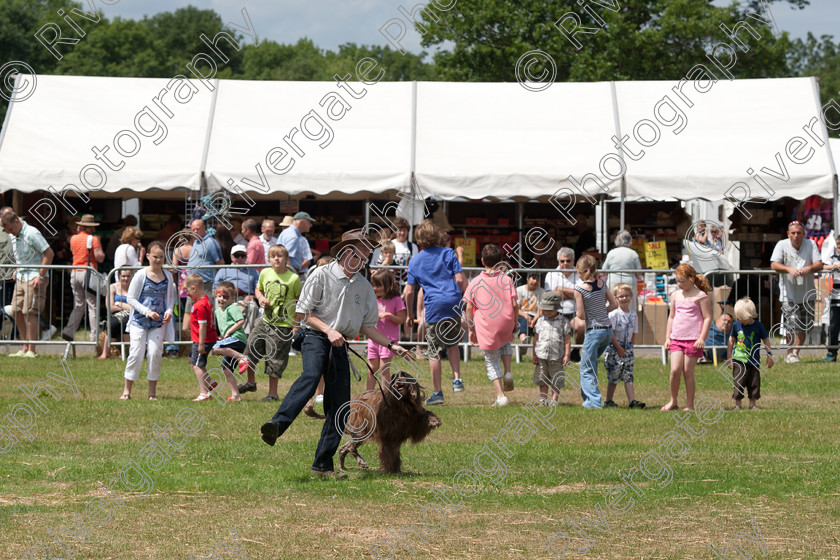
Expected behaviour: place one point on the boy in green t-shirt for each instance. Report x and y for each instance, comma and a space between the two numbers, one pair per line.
229, 321
277, 292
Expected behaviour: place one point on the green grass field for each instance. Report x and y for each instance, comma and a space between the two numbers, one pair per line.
778, 466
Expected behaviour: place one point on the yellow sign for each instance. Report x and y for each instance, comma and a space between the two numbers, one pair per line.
656, 255
470, 245
638, 245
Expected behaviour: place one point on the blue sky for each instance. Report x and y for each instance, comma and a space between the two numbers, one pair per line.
330, 23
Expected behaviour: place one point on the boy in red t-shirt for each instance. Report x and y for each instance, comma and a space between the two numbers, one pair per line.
202, 333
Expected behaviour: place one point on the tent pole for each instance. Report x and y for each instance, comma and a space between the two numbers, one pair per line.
836, 199
520, 224
623, 197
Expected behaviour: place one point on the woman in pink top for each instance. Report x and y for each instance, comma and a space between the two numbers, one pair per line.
685, 335
392, 314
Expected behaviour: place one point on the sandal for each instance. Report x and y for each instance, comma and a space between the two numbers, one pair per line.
666, 408
202, 397
234, 399
244, 363
125, 397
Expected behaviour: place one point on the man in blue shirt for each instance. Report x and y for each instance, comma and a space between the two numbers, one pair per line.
300, 255
245, 279
205, 251
718, 334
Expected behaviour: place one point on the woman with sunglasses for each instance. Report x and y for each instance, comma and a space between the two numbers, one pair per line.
118, 304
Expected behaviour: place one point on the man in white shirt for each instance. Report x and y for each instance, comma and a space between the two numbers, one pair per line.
796, 259
564, 284
267, 236
336, 304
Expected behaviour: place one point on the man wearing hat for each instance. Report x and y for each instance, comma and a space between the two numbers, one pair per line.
300, 255
87, 251
336, 303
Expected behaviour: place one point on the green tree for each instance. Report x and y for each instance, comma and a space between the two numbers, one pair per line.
642, 40
272, 61
122, 48
178, 35
820, 58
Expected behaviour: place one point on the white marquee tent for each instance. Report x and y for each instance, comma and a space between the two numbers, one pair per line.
475, 140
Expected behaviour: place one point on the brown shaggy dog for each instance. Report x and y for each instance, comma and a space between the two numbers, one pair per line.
390, 422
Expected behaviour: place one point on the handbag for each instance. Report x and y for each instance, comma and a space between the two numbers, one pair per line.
95, 282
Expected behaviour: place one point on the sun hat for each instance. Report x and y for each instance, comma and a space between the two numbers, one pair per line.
87, 220
288, 221
354, 237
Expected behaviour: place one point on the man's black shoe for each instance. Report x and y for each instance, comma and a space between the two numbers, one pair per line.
270, 432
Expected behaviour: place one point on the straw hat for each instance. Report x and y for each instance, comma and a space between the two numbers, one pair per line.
287, 221
354, 237
87, 221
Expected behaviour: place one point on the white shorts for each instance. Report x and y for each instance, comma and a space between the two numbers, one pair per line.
493, 361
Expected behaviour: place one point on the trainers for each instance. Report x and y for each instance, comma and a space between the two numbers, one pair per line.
435, 398
637, 404
329, 474
508, 381
791, 359
30, 354
457, 386
319, 399
830, 358
247, 388
501, 401
270, 398
292, 352
48, 334
543, 402
18, 354
610, 404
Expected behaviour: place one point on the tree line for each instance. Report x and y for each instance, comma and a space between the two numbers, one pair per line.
476, 40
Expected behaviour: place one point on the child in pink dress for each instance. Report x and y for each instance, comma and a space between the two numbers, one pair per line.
685, 335
392, 314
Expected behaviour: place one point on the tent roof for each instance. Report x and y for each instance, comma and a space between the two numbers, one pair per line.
350, 146
504, 141
472, 140
48, 138
734, 126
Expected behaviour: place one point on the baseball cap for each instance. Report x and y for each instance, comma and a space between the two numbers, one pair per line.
304, 216
238, 249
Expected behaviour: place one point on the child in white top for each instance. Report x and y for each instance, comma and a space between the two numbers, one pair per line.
618, 357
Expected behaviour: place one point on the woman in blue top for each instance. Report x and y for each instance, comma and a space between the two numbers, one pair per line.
151, 296
437, 271
118, 304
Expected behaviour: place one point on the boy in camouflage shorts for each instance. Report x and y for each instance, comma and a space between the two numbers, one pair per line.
618, 357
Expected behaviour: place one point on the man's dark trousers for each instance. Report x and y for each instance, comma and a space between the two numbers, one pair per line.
317, 361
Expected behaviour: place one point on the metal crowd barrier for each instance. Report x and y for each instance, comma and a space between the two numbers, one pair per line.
727, 288
58, 306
